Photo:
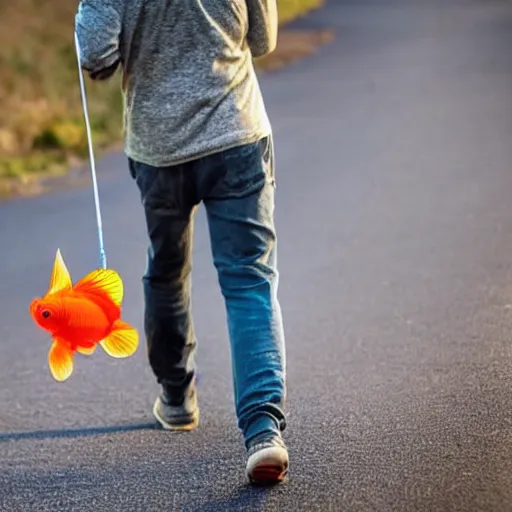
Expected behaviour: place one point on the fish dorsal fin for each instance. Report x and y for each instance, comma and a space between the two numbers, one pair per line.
60, 279
102, 282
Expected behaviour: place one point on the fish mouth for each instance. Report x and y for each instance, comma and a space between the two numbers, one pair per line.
36, 303
35, 308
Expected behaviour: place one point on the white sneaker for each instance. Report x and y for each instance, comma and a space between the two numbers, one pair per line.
267, 462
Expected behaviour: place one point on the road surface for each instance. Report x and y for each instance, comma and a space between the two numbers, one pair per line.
394, 147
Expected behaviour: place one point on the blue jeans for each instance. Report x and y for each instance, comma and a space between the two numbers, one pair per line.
237, 188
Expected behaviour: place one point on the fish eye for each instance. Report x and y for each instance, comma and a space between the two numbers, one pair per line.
46, 314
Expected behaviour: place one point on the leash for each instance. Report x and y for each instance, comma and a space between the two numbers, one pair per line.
102, 254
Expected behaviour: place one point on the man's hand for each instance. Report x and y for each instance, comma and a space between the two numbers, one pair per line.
105, 73
263, 27
98, 27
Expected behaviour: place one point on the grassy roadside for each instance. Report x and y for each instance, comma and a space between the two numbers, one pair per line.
41, 126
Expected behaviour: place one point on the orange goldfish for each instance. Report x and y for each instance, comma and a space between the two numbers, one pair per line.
82, 316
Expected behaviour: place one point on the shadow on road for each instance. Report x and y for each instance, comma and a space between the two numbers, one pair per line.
75, 432
245, 498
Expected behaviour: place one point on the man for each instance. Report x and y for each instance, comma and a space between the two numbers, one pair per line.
196, 130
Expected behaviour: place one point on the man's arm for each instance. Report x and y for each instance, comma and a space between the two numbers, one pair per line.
98, 27
263, 26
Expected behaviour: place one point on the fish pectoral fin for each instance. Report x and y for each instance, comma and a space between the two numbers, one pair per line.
86, 351
122, 341
102, 282
60, 278
60, 361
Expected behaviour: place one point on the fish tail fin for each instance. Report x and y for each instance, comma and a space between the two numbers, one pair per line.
122, 341
102, 283
60, 361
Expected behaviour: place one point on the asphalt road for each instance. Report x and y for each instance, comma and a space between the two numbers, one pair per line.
394, 152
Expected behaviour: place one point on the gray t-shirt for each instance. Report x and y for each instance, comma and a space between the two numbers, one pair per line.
189, 84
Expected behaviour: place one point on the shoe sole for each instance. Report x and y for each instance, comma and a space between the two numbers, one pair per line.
270, 467
186, 427
269, 474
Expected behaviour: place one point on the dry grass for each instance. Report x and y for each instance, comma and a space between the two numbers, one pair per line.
41, 125
292, 9
41, 122
294, 45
